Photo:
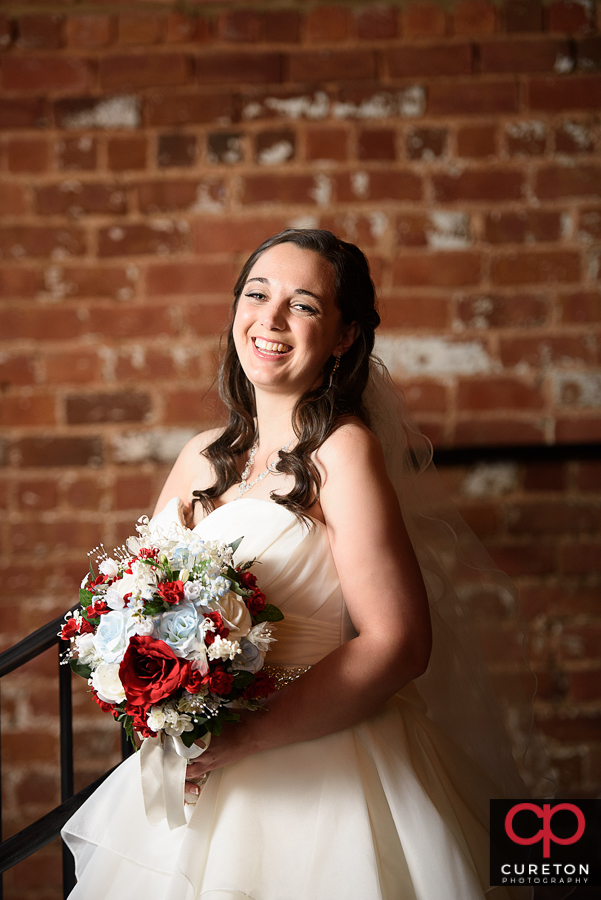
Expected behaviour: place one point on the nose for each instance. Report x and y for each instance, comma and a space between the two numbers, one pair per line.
273, 318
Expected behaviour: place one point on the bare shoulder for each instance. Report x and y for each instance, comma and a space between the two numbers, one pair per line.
195, 446
351, 447
190, 468
354, 477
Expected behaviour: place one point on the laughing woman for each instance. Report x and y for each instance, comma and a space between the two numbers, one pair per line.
368, 778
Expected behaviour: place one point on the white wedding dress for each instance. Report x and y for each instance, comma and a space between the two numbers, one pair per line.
390, 809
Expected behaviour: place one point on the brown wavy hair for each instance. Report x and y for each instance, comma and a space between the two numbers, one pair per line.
318, 411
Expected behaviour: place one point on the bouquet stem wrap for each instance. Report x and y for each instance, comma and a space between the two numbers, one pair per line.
163, 762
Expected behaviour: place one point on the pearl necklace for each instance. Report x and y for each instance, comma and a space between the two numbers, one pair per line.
243, 487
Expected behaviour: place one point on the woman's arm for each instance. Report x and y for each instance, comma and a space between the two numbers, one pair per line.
386, 598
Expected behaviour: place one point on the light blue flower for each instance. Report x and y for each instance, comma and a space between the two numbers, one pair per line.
113, 634
179, 629
220, 586
186, 553
250, 658
179, 556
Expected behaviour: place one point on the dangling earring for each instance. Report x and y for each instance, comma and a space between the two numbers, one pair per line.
334, 369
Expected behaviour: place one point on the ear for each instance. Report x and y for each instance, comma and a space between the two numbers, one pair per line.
347, 338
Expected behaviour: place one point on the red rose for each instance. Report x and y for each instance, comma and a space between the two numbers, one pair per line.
220, 628
98, 608
138, 714
220, 682
248, 580
256, 603
100, 579
69, 629
105, 707
146, 553
171, 591
150, 671
194, 681
72, 627
262, 686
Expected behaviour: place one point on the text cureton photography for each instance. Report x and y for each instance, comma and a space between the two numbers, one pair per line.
554, 842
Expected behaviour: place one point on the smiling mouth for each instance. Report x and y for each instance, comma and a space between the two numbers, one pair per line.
270, 347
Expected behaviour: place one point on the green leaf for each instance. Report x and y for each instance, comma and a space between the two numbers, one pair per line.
215, 726
243, 679
270, 614
234, 578
92, 572
85, 597
80, 669
154, 607
235, 544
188, 737
128, 727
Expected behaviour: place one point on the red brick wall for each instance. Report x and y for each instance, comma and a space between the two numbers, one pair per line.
144, 153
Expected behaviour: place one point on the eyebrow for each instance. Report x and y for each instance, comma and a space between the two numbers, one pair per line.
297, 290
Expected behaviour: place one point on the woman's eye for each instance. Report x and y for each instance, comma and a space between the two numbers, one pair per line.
304, 307
255, 295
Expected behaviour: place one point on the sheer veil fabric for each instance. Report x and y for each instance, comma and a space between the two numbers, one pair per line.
478, 687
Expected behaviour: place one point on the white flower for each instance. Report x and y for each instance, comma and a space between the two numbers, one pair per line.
86, 651
109, 567
145, 624
235, 615
114, 599
192, 590
179, 629
106, 682
200, 661
260, 635
169, 719
113, 634
84, 581
141, 580
223, 649
156, 718
250, 658
175, 722
134, 545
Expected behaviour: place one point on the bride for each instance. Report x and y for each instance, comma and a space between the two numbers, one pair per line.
356, 783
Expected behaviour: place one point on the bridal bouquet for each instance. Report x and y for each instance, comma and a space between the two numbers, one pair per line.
171, 637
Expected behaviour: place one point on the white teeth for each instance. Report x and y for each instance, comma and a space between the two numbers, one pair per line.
272, 348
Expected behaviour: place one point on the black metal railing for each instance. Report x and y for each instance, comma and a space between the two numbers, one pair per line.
22, 845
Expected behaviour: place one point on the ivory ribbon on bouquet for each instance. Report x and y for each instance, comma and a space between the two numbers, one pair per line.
163, 762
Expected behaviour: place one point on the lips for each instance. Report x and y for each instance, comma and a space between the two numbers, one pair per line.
270, 347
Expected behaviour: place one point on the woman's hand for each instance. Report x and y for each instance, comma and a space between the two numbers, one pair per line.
233, 744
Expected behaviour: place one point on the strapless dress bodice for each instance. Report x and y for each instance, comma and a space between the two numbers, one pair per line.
294, 568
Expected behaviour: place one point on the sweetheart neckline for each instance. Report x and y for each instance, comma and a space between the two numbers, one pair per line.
243, 500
